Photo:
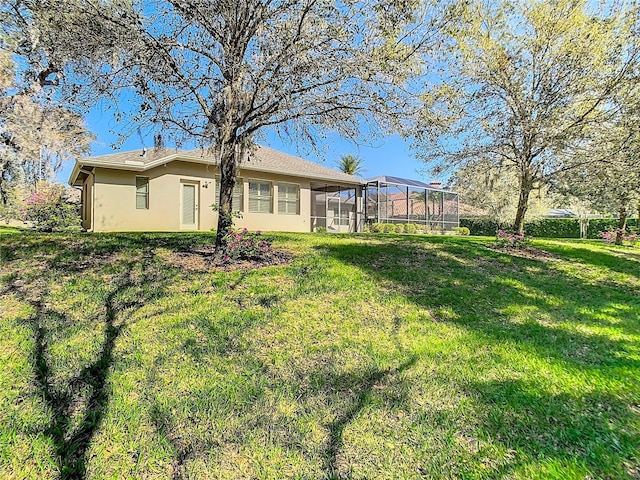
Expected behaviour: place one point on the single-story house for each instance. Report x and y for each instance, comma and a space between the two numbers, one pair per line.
171, 190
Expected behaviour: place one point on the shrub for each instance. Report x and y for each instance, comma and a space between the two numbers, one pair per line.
388, 228
598, 225
244, 245
461, 231
554, 227
506, 239
48, 209
399, 227
547, 227
609, 236
410, 228
377, 227
481, 226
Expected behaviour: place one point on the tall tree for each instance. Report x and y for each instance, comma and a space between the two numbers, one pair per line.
481, 184
224, 71
351, 164
37, 134
522, 85
612, 185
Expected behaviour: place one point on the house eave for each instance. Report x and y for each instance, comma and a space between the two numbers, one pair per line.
142, 167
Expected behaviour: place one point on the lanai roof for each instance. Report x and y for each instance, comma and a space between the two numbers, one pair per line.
403, 181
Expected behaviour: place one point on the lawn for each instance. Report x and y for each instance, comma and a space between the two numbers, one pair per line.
366, 357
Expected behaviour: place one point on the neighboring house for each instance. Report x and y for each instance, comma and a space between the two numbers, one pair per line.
568, 213
170, 190
470, 211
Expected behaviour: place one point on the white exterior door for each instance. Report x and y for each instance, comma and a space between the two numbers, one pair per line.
189, 206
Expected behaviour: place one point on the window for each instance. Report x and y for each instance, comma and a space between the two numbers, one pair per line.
289, 199
259, 197
142, 193
236, 197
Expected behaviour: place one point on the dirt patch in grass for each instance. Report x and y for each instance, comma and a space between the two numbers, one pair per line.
526, 252
203, 259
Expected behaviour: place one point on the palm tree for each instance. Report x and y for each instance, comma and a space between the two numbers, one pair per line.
351, 164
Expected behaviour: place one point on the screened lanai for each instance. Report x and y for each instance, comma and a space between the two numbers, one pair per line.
336, 208
400, 200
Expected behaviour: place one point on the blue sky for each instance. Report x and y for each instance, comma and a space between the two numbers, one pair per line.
388, 156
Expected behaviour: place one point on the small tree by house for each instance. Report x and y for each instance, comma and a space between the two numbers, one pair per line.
49, 210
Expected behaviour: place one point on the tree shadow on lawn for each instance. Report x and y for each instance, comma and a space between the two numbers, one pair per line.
346, 394
589, 430
73, 252
621, 259
360, 386
485, 291
77, 405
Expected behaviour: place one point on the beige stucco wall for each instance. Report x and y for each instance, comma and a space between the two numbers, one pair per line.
275, 221
114, 195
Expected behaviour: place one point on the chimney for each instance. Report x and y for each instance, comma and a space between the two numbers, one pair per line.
144, 152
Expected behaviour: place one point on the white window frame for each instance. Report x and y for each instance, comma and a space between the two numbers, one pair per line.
287, 201
142, 194
260, 198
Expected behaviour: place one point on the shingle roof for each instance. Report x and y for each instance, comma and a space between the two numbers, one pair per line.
263, 159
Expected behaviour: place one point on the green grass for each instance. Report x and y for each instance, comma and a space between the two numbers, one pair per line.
366, 357
8, 229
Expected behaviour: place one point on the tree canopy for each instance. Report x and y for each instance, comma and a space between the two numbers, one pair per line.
523, 83
223, 71
37, 133
484, 186
612, 184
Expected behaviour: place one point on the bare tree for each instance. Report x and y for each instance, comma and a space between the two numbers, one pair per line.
224, 71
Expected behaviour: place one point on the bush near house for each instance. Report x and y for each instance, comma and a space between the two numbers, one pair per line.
410, 228
49, 210
547, 227
461, 230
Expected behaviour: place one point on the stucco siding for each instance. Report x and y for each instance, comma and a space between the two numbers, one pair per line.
114, 194
275, 221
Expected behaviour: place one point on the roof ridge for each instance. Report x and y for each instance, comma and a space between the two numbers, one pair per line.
267, 159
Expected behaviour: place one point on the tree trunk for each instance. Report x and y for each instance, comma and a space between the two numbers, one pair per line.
523, 202
584, 228
228, 170
622, 224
